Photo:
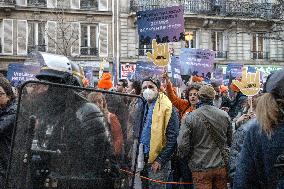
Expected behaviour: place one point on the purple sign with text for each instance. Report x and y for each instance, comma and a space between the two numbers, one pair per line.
234, 70
218, 75
197, 62
165, 25
147, 69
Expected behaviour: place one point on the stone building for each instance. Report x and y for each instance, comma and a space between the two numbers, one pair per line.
240, 31
80, 29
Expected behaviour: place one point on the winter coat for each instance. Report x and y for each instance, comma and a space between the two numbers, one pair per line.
255, 167
195, 142
7, 121
237, 143
182, 105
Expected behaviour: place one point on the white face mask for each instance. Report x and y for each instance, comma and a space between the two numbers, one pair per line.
149, 94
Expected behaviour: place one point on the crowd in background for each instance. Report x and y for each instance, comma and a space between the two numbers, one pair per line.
207, 137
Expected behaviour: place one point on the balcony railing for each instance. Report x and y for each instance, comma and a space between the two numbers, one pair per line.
89, 4
221, 54
259, 55
37, 3
215, 7
89, 51
143, 51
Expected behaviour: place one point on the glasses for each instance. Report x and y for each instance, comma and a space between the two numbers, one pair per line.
192, 94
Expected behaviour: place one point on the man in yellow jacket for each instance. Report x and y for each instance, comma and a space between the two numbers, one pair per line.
159, 134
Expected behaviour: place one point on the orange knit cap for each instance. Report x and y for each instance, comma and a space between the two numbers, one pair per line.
105, 82
197, 79
223, 89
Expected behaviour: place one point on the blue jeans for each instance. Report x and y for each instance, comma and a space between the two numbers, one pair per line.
161, 175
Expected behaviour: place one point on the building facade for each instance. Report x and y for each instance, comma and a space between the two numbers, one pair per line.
79, 29
250, 32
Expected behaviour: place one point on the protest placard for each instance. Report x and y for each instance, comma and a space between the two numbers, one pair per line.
174, 69
127, 69
147, 69
164, 24
19, 73
197, 62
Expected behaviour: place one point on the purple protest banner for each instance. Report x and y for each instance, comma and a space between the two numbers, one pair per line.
197, 62
234, 70
19, 73
174, 74
147, 69
165, 25
218, 75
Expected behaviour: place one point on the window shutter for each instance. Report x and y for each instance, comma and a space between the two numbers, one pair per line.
103, 40
7, 36
103, 5
75, 4
51, 3
51, 36
75, 46
22, 37
21, 2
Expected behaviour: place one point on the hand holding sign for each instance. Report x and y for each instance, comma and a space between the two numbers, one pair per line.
250, 83
160, 55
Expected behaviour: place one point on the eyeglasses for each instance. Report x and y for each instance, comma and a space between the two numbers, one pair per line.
192, 94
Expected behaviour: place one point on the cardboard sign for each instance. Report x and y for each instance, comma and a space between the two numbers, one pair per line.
249, 84
197, 62
160, 55
19, 73
164, 24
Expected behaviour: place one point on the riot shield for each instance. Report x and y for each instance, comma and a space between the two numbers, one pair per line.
68, 137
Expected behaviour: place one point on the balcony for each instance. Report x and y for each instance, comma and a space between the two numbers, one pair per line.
256, 55
7, 4
143, 51
89, 4
221, 54
92, 51
215, 7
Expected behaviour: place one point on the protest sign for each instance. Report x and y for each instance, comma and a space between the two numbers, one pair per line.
19, 73
147, 69
250, 82
160, 55
127, 69
234, 70
174, 69
197, 62
218, 75
164, 24
88, 71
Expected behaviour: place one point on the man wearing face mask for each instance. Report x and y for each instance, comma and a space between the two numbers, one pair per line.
159, 134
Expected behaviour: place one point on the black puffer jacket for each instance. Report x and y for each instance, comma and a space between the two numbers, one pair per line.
7, 120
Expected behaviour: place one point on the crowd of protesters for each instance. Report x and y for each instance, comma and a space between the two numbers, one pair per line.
209, 139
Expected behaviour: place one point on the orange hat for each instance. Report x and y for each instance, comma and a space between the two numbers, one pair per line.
223, 89
197, 79
105, 82
234, 87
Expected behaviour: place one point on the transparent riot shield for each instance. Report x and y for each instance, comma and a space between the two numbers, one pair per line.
70, 138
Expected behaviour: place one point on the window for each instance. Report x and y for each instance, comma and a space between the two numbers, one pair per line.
190, 41
37, 3
89, 40
257, 46
89, 4
36, 37
218, 44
